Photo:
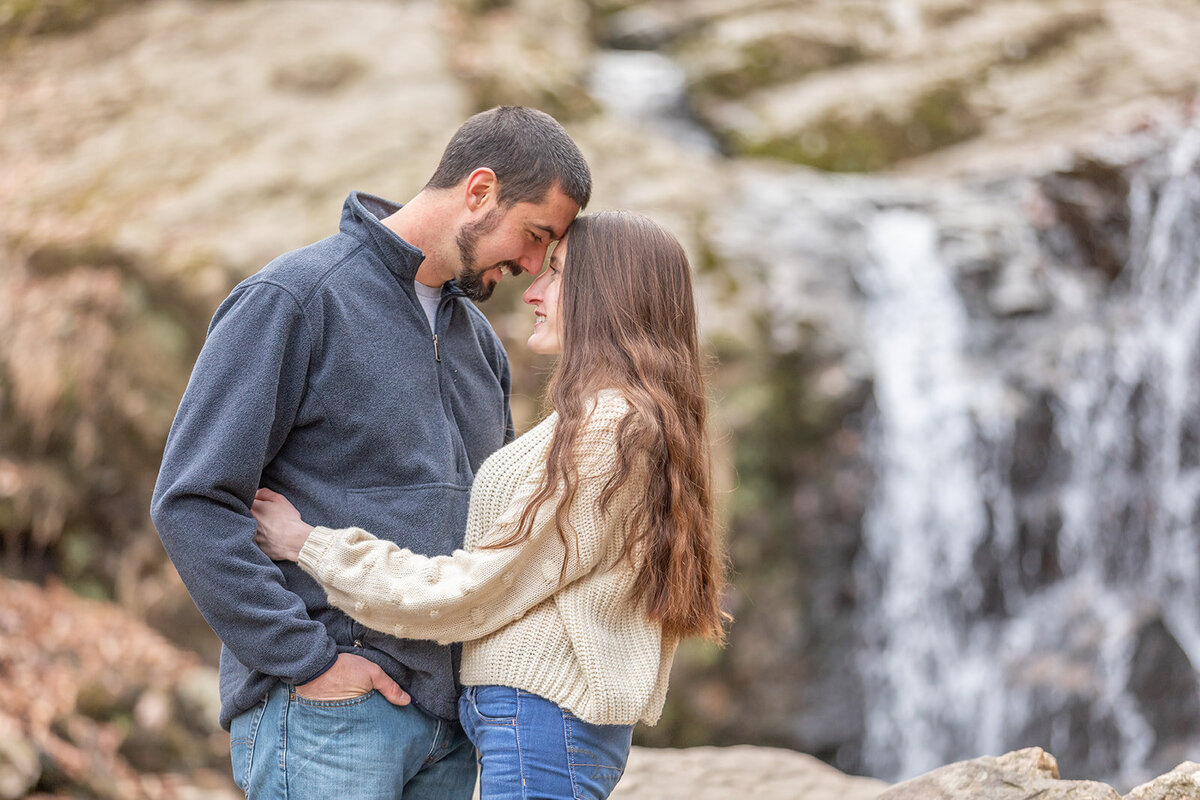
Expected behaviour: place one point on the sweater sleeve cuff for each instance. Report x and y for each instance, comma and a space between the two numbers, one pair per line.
318, 543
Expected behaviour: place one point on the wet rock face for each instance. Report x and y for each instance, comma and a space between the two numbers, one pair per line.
802, 486
1091, 216
1163, 679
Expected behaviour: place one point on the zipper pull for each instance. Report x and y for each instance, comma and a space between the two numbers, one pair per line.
437, 352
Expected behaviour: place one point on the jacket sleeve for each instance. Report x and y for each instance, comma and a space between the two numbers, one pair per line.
503, 372
469, 595
510, 431
239, 406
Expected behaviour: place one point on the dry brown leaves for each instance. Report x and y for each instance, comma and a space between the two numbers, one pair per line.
80, 679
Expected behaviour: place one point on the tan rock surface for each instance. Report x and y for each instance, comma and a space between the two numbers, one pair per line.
212, 137
867, 86
1020, 775
724, 773
1181, 783
504, 58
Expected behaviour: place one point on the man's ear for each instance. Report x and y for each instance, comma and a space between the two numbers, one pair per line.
482, 187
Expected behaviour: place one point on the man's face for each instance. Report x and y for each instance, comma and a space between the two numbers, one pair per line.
512, 239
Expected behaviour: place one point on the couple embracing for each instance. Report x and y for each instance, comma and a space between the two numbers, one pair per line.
344, 498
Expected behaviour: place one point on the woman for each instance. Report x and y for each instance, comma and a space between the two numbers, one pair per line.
590, 548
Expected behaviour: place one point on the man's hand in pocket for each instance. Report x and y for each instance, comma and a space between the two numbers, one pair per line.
353, 676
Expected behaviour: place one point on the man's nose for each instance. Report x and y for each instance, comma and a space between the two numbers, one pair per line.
534, 259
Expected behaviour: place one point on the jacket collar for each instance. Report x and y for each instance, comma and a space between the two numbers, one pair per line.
362, 218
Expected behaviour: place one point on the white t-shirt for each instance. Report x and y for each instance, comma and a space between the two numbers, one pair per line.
429, 297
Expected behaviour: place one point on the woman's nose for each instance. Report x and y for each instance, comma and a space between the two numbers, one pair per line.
533, 295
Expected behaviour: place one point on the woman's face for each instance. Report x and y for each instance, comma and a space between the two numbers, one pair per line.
543, 295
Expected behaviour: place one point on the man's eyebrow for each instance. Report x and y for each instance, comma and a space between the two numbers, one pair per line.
553, 234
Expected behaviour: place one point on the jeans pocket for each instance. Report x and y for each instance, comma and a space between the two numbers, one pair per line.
493, 705
596, 755
243, 733
349, 701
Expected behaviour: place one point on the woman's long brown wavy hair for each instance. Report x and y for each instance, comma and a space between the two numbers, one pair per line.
628, 321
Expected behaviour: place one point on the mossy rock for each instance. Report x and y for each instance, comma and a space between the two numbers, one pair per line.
603, 8
37, 17
565, 99
475, 7
773, 59
939, 118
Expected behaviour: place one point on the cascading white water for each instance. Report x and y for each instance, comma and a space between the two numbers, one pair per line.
647, 89
929, 516
944, 677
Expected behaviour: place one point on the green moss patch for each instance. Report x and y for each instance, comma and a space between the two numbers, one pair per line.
38, 17
774, 59
939, 118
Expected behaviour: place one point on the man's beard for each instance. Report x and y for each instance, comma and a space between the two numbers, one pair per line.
470, 277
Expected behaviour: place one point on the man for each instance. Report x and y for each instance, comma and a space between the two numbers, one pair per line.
354, 376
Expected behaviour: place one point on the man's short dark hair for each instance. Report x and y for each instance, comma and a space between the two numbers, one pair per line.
526, 148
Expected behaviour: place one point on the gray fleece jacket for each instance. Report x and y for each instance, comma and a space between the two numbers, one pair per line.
321, 379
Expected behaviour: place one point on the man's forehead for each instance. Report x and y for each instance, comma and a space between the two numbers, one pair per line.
554, 214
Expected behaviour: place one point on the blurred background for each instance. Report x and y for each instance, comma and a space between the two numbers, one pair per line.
947, 256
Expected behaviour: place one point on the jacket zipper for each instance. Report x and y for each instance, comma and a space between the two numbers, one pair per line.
437, 352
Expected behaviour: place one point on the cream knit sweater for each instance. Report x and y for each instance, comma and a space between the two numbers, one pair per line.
579, 642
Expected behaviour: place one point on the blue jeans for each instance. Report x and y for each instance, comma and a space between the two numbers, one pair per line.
531, 748
365, 748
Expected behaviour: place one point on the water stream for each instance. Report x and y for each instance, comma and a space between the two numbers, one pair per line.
1061, 649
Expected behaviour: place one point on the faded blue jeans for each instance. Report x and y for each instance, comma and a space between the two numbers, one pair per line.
365, 748
531, 748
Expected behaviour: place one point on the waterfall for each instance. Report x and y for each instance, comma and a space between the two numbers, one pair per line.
1000, 612
646, 89
930, 516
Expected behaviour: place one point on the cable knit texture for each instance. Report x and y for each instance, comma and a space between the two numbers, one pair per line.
580, 641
